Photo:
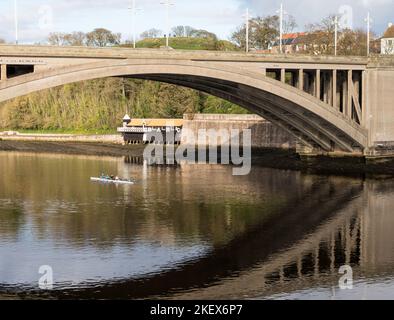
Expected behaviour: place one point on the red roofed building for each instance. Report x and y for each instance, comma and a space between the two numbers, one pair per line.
289, 43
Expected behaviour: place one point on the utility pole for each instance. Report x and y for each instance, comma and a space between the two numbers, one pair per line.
368, 20
167, 3
16, 21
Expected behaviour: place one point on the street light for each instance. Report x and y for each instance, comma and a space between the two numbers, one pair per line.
282, 13
368, 20
336, 24
168, 4
133, 10
247, 17
16, 20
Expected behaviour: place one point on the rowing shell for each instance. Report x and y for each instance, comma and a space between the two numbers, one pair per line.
111, 181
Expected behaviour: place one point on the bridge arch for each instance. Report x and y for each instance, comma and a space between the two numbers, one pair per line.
316, 124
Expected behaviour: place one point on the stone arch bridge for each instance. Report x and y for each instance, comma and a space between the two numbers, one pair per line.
342, 105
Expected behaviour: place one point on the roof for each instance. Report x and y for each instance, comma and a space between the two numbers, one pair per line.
289, 38
156, 123
292, 35
389, 33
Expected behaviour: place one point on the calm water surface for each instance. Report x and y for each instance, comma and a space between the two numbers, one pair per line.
190, 232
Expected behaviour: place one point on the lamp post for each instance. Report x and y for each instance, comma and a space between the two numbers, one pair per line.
281, 27
168, 4
16, 21
282, 13
133, 10
368, 20
247, 18
336, 36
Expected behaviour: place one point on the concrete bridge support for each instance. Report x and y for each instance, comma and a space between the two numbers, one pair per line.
3, 74
341, 89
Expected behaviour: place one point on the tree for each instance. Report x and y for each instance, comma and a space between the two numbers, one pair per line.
76, 38
289, 24
178, 31
57, 39
183, 31
101, 37
264, 31
151, 33
352, 43
203, 34
320, 36
189, 31
320, 39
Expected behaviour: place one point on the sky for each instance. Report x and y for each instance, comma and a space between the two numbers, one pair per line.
37, 18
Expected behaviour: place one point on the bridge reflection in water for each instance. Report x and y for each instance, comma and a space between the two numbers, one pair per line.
272, 232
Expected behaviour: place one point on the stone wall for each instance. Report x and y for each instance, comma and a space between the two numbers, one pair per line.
264, 133
15, 136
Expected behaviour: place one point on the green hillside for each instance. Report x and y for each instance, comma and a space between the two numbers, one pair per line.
189, 43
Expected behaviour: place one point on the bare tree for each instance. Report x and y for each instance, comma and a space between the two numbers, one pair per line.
189, 31
289, 24
352, 42
319, 37
151, 33
77, 38
178, 31
183, 31
57, 39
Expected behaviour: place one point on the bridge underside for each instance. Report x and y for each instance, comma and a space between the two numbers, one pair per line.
315, 133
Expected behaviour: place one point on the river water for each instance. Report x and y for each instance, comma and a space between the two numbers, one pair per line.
190, 232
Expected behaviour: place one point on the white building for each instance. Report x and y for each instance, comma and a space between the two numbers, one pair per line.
387, 45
